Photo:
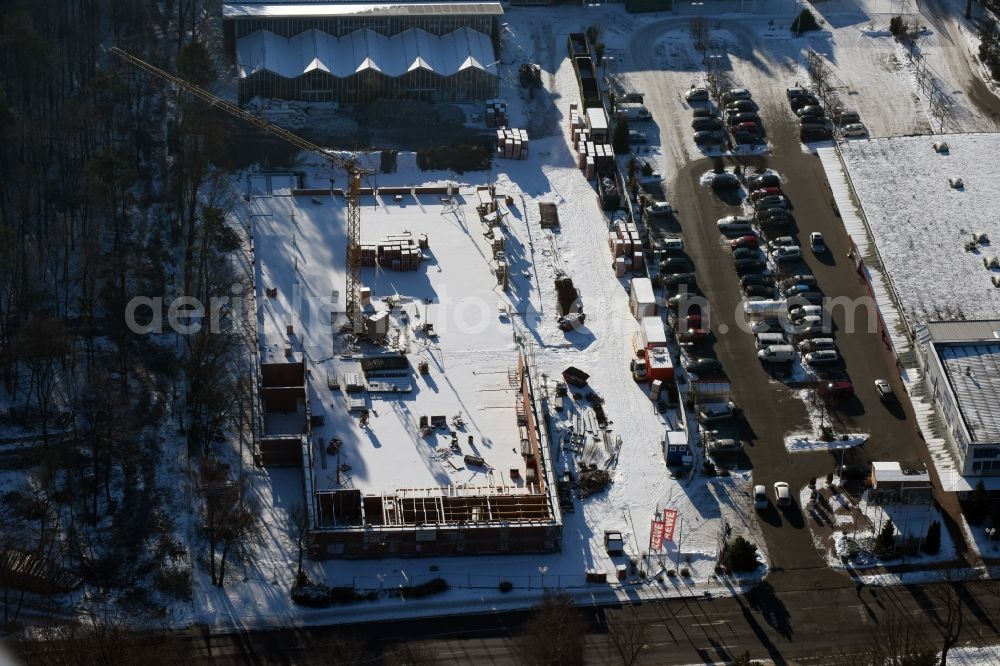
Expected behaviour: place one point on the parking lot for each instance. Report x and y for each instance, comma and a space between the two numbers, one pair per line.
771, 409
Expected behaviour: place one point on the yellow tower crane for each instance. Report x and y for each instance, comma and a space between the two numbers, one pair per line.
348, 164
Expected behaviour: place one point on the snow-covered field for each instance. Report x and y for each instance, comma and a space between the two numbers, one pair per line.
921, 223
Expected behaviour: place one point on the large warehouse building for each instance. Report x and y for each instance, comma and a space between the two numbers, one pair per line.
356, 53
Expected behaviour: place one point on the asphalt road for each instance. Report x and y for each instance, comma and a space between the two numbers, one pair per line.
811, 625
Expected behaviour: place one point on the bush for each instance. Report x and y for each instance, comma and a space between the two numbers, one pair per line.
598, 53
977, 506
932, 544
804, 22
671, 573
311, 596
896, 26
708, 468
174, 582
685, 572
506, 586
741, 555
826, 433
433, 586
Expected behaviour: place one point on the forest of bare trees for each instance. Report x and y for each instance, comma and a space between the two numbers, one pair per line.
109, 190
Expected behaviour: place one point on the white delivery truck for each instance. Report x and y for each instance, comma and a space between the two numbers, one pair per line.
777, 354
763, 309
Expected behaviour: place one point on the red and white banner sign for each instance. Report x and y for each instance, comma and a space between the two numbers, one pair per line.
655, 534
668, 522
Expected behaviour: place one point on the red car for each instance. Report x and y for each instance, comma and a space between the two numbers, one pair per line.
757, 195
691, 336
690, 321
751, 242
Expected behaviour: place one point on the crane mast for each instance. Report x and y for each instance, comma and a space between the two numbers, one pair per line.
350, 165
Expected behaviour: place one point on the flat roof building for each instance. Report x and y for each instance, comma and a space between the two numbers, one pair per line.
961, 361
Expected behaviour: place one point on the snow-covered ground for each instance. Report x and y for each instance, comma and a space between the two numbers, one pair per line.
921, 223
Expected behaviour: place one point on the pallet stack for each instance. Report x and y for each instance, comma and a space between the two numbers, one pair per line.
496, 113
398, 253
626, 248
591, 157
512, 143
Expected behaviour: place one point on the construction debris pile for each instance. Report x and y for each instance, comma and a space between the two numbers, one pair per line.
512, 143
591, 480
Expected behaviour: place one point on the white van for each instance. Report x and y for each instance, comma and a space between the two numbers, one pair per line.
760, 309
800, 311
770, 340
777, 354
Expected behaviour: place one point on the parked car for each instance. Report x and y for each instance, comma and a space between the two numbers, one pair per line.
660, 208
713, 413
731, 96
822, 357
708, 137
808, 134
733, 119
742, 106
692, 336
759, 290
817, 344
765, 280
734, 223
854, 129
764, 180
782, 241
759, 495
770, 325
725, 181
803, 100
677, 279
806, 298
676, 265
795, 290
797, 91
758, 194
706, 124
782, 496
639, 370
816, 242
777, 354
814, 110
703, 112
845, 116
799, 279
725, 446
780, 216
835, 385
772, 201
805, 311
751, 265
706, 366
697, 94
786, 253
745, 241
744, 138
744, 252
671, 245
807, 331
755, 129
884, 390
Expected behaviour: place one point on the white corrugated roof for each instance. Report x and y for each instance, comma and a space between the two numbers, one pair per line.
250, 10
974, 374
364, 49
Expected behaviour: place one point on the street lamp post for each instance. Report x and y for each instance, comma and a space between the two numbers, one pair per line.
542, 570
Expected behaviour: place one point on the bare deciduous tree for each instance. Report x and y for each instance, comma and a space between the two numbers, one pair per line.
553, 635
628, 635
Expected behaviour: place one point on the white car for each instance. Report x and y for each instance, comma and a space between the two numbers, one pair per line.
854, 129
817, 243
660, 208
822, 357
786, 253
884, 390
782, 241
782, 497
697, 94
759, 498
652, 179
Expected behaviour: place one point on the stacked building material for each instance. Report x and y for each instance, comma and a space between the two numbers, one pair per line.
512, 143
626, 248
496, 113
591, 157
398, 253
369, 254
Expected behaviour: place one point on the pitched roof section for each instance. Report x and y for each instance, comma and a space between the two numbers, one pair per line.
364, 50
